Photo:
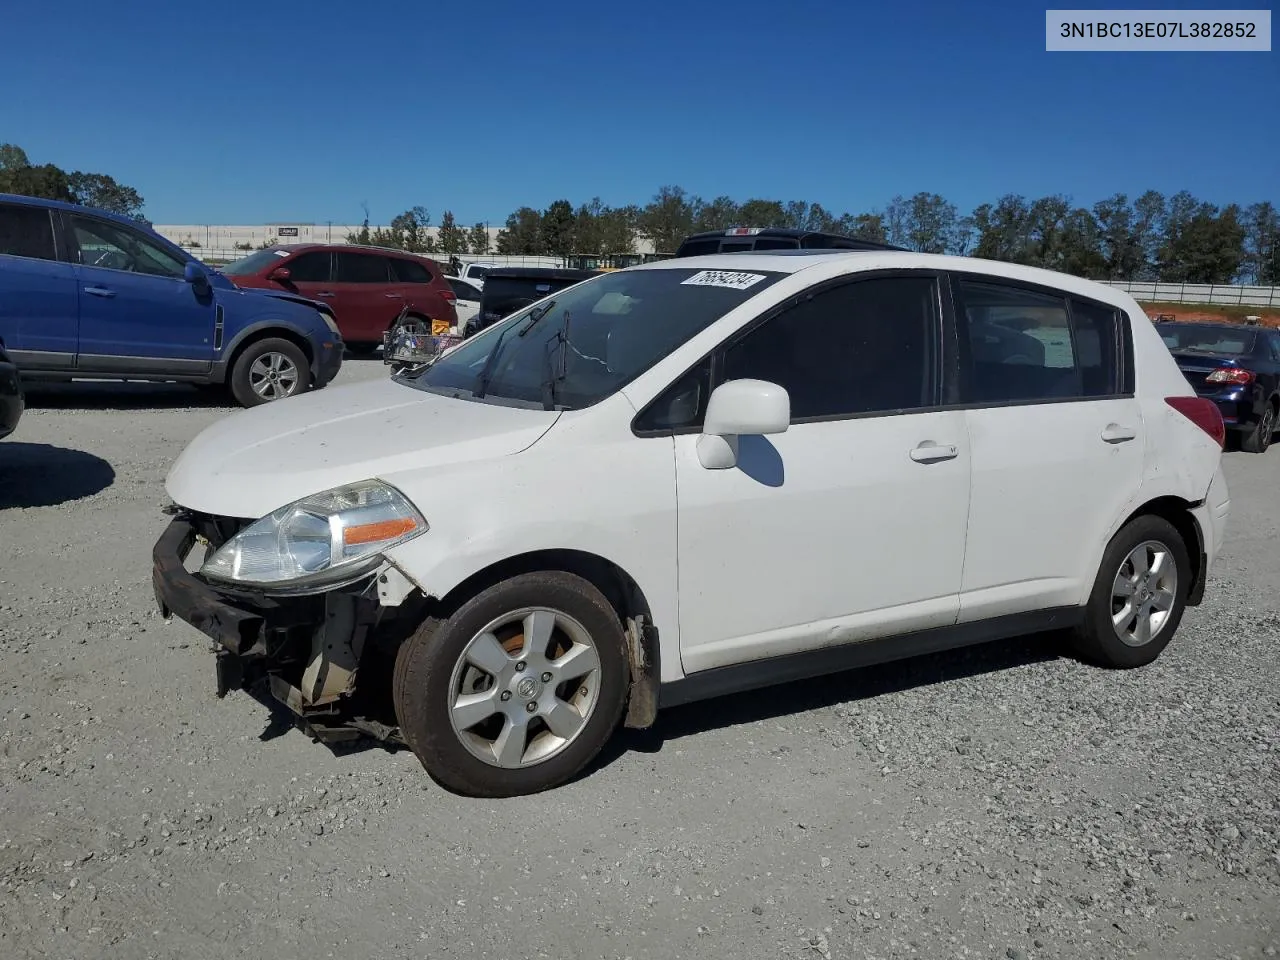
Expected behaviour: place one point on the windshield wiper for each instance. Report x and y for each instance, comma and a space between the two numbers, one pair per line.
556, 371
486, 373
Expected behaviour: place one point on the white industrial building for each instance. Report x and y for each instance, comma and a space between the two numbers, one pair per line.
213, 241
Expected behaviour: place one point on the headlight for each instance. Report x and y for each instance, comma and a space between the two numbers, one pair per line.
324, 540
330, 323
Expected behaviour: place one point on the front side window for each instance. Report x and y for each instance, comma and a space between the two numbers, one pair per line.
254, 262
26, 232
115, 247
1023, 345
584, 342
863, 347
362, 268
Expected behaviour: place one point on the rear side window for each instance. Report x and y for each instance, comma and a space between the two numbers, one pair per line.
309, 268
777, 243
700, 248
409, 271
863, 347
362, 268
26, 232
1024, 345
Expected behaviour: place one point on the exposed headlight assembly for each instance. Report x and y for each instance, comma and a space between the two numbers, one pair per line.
325, 540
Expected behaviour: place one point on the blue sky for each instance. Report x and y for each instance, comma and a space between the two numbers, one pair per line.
244, 113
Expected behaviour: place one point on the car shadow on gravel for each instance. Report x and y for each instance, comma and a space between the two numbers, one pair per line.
863, 683
123, 396
40, 475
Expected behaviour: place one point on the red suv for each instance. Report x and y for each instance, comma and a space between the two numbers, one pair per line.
366, 286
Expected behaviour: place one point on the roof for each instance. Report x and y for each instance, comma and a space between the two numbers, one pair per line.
540, 273
795, 261
71, 207
794, 233
367, 247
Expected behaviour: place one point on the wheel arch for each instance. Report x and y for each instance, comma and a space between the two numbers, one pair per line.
1177, 511
621, 590
263, 330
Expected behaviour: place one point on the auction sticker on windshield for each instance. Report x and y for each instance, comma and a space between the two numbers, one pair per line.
723, 278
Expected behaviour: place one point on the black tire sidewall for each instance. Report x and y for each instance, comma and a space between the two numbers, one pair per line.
1258, 440
1098, 637
425, 666
240, 387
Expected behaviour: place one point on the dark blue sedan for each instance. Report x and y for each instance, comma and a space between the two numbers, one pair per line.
1238, 368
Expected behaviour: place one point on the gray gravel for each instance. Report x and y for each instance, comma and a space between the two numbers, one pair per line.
1001, 802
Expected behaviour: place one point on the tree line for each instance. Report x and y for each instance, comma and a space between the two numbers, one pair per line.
18, 175
1176, 239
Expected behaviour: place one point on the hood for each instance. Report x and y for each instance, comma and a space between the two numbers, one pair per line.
256, 460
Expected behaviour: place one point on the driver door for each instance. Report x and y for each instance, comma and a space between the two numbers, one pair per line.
137, 313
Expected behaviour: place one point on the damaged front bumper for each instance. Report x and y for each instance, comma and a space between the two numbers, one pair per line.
323, 657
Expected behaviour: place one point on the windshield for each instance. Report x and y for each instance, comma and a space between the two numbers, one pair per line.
596, 337
254, 262
1192, 338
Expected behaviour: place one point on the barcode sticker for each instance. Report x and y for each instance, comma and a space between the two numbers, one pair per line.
723, 278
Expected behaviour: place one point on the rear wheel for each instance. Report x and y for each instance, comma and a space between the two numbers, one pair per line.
1139, 595
270, 369
518, 690
1259, 439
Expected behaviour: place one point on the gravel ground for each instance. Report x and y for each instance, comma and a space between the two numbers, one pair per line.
997, 802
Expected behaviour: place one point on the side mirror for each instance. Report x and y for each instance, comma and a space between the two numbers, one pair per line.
740, 408
280, 274
195, 275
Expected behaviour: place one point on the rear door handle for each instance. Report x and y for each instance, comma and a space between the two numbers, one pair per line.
325, 293
930, 452
394, 296
1115, 433
100, 291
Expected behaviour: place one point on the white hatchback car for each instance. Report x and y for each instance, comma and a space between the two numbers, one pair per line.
693, 477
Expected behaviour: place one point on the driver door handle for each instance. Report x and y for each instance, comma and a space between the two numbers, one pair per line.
930, 452
100, 291
325, 293
1115, 433
394, 296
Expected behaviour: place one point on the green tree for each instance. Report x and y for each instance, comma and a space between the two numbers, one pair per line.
718, 214
667, 219
618, 228
452, 239
522, 233
1003, 230
12, 157
101, 191
867, 226
478, 239
1262, 243
556, 229
762, 213
587, 228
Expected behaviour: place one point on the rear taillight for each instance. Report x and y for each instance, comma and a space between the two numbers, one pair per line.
449, 295
1203, 413
1230, 375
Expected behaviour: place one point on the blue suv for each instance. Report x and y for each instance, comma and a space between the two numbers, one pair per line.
85, 293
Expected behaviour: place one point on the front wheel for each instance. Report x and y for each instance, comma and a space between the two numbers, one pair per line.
1139, 595
270, 369
518, 690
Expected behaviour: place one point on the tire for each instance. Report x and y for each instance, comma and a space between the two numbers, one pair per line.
245, 376
1258, 439
1099, 639
436, 664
